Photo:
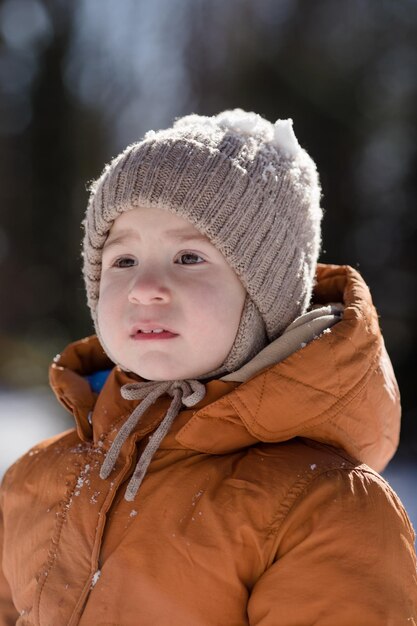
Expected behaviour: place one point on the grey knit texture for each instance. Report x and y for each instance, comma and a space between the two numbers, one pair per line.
243, 182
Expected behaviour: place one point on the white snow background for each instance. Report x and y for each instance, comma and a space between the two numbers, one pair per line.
27, 417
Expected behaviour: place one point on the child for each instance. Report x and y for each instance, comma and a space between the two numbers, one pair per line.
227, 420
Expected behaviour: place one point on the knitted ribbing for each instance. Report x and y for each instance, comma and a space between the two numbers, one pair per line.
256, 197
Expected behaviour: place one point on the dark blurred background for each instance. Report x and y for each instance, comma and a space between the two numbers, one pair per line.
80, 80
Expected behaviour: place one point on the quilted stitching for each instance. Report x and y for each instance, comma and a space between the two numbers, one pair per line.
329, 413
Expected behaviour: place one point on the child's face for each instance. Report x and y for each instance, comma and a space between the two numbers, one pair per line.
157, 278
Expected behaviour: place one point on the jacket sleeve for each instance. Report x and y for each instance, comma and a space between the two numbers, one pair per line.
344, 554
8, 612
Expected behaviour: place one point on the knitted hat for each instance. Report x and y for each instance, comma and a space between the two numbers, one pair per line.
243, 182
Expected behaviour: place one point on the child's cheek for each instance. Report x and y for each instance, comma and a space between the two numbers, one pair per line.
111, 289
108, 302
206, 297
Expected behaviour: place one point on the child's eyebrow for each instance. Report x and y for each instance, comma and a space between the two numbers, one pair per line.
119, 238
176, 234
181, 235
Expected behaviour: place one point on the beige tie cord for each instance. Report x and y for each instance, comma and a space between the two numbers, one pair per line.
187, 392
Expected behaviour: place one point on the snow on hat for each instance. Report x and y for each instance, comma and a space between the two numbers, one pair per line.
243, 182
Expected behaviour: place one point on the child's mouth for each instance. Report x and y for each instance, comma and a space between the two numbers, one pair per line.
152, 335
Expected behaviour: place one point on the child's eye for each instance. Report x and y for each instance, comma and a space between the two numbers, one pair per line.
124, 261
188, 258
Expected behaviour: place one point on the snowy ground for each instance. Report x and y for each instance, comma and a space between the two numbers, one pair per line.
27, 417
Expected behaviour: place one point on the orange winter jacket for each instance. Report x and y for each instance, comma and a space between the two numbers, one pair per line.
258, 507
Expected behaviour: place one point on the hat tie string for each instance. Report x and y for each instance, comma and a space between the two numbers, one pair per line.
188, 392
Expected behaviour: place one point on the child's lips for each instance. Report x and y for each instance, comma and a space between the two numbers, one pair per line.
140, 336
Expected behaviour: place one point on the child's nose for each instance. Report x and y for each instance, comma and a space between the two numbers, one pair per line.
148, 288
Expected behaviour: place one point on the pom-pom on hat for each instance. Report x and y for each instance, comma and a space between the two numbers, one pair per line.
243, 182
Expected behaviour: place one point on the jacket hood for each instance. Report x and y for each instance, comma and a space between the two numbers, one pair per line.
338, 389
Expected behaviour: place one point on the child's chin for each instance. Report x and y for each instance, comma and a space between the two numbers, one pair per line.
161, 377
159, 367
166, 374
